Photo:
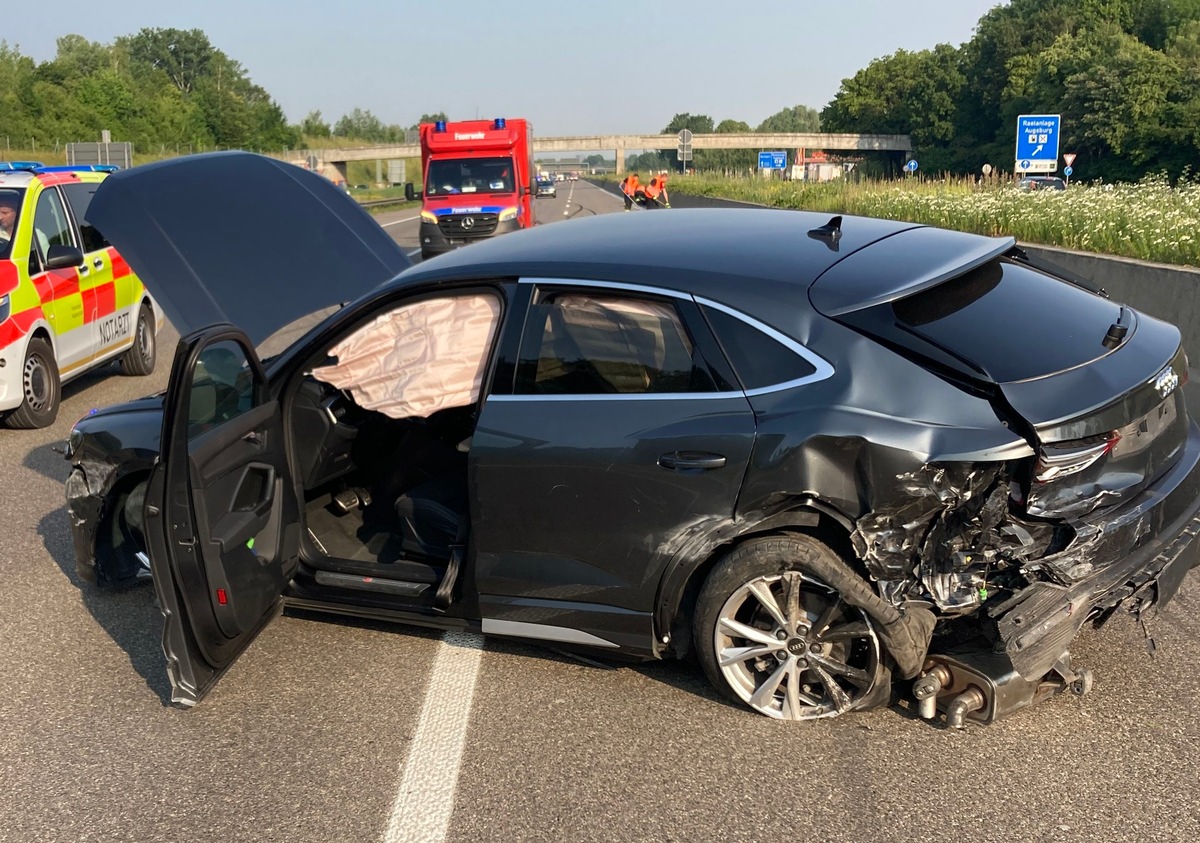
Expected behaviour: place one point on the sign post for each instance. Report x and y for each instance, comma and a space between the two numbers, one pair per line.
684, 152
1037, 143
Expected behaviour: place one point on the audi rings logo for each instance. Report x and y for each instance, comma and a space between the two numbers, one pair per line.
1166, 382
467, 223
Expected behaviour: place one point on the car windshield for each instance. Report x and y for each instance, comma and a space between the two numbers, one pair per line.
469, 175
10, 211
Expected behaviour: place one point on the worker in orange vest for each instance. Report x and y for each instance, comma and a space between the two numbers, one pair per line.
630, 188
654, 192
662, 187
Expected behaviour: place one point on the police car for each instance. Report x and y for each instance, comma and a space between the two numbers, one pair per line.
68, 301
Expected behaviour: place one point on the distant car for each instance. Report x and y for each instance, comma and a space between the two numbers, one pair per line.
545, 187
816, 453
560, 177
573, 176
1042, 183
69, 303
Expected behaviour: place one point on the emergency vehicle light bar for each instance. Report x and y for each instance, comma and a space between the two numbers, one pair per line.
80, 168
39, 167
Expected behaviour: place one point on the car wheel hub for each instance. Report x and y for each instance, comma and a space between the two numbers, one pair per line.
145, 340
792, 649
36, 383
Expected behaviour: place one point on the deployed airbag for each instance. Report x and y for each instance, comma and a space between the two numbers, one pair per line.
417, 359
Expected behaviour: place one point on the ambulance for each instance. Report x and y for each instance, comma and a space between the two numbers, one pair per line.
479, 181
69, 303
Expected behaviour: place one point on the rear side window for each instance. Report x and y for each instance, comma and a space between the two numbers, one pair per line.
759, 360
1011, 321
584, 344
79, 197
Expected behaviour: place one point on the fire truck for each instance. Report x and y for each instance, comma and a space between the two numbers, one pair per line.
479, 181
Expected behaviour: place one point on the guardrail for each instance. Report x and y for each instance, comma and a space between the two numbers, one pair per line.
371, 203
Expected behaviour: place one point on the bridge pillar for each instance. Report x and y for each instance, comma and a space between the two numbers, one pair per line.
335, 171
620, 161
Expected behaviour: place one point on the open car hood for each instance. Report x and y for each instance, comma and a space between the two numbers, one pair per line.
240, 238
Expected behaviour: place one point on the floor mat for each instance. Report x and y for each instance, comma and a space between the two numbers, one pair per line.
346, 537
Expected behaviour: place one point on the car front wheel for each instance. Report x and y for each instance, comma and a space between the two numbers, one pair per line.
776, 637
40, 388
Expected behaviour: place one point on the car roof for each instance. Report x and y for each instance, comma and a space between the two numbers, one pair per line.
688, 250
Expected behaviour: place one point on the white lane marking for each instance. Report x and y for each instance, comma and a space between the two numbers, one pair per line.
425, 798
413, 252
397, 222
570, 195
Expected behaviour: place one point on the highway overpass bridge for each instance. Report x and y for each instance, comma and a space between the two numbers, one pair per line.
337, 158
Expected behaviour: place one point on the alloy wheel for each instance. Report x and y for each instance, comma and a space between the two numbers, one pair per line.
792, 649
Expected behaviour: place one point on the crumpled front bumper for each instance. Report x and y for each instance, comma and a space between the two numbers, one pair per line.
85, 510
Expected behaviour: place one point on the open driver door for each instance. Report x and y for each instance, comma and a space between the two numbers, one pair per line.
222, 519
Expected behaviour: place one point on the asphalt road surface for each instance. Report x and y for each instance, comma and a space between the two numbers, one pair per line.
343, 731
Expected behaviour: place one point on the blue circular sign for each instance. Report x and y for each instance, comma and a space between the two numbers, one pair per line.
1068, 170
911, 166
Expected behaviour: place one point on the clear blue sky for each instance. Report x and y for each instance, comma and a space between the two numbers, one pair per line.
572, 68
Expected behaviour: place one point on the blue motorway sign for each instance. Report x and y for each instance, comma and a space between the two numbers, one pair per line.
911, 166
772, 160
1037, 142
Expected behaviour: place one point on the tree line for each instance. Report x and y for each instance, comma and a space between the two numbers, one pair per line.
1124, 75
167, 89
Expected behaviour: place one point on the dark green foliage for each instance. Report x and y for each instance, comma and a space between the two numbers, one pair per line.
1124, 75
162, 89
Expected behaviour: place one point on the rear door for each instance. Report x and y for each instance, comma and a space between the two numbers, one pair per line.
621, 441
222, 520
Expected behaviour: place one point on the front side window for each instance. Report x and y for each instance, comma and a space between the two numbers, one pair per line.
419, 358
10, 212
222, 387
592, 344
79, 196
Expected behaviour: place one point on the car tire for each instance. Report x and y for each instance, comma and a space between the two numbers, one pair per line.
141, 357
772, 635
40, 388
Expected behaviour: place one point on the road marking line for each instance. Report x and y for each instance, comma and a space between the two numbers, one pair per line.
425, 798
413, 252
397, 222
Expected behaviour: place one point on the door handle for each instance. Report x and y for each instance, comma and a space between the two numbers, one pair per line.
691, 461
98, 263
253, 438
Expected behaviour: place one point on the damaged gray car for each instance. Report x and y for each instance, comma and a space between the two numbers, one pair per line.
832, 459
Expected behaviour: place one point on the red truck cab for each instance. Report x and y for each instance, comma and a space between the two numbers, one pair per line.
479, 181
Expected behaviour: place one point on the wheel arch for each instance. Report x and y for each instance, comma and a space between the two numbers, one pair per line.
684, 577
114, 560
